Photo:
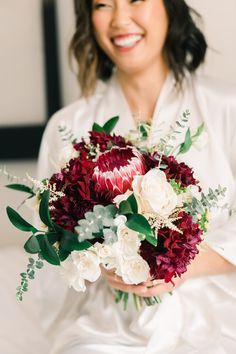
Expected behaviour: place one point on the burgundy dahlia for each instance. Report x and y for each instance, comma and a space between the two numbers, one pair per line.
75, 182
116, 169
174, 251
103, 140
178, 171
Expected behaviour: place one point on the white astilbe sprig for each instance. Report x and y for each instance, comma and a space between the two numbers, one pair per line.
42, 186
160, 221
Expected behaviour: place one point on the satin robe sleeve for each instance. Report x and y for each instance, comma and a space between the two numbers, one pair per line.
223, 238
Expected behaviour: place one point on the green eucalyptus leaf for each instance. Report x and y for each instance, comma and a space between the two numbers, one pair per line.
110, 124
20, 188
139, 223
187, 143
48, 252
44, 209
133, 203
97, 128
19, 222
32, 245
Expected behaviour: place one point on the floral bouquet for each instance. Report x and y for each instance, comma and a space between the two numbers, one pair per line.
120, 203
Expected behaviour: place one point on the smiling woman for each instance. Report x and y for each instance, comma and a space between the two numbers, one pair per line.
143, 56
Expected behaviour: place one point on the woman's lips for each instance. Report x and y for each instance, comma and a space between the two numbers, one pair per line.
126, 42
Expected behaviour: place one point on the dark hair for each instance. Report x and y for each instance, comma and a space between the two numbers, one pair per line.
184, 49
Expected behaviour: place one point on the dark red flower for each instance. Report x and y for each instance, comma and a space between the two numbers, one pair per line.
178, 171
75, 181
174, 251
102, 140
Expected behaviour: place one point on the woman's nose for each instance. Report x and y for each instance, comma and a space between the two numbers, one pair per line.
121, 17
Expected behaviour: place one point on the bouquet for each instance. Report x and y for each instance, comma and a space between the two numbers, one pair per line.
121, 203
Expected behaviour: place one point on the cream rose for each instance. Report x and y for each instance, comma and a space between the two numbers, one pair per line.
154, 194
128, 240
133, 270
81, 266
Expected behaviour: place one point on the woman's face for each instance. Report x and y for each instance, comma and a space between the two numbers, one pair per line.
132, 33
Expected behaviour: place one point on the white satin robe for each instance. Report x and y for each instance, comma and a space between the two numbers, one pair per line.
200, 317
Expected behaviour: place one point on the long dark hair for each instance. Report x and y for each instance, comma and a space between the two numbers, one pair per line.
184, 49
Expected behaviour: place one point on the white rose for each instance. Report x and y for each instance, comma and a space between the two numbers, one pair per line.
66, 154
154, 194
106, 254
134, 270
87, 263
70, 273
128, 240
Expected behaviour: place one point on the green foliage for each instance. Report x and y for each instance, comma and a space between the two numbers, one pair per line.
139, 223
32, 245
19, 222
44, 209
21, 188
177, 187
107, 127
29, 275
207, 201
67, 134
128, 206
186, 145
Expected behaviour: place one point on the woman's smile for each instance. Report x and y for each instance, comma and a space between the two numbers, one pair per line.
126, 42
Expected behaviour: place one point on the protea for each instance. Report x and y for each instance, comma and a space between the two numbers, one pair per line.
116, 169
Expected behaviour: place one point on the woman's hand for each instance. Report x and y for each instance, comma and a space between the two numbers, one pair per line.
146, 289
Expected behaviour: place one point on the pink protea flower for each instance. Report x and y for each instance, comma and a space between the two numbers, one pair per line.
116, 169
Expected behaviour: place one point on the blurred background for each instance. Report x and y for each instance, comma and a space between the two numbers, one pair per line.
36, 81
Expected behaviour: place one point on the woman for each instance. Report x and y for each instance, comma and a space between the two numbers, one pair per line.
146, 53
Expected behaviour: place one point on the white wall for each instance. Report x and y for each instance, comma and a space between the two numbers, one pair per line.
22, 98
220, 29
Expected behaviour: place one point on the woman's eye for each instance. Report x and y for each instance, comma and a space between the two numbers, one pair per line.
100, 5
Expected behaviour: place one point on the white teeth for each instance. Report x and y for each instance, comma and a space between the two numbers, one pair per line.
129, 41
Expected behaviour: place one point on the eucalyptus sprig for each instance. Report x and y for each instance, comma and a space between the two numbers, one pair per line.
28, 275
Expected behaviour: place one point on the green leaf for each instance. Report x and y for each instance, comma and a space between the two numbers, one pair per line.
125, 208
187, 143
110, 124
48, 252
44, 209
69, 242
32, 245
21, 188
63, 254
133, 203
97, 128
139, 223
19, 222
152, 240
53, 237
199, 131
